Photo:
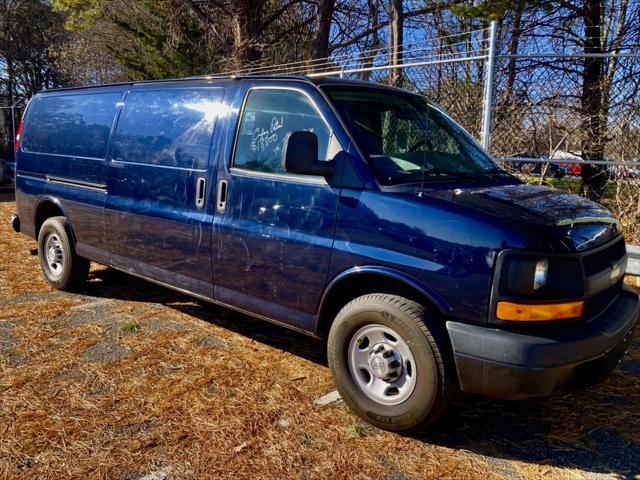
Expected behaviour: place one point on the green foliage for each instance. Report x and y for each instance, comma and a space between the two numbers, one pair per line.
151, 52
130, 328
81, 14
497, 9
355, 429
157, 39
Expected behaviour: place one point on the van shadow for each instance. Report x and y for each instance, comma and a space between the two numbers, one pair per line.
592, 430
110, 283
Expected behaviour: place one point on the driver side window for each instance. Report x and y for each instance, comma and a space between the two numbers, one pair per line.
268, 115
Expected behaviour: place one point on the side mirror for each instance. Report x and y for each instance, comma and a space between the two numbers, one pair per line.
300, 155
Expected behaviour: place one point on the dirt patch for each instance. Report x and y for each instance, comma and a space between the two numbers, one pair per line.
16, 360
105, 352
211, 342
7, 338
90, 313
74, 374
504, 469
31, 297
164, 324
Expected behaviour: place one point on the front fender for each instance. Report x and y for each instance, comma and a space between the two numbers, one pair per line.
384, 273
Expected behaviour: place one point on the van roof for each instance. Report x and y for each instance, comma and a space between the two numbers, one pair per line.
233, 78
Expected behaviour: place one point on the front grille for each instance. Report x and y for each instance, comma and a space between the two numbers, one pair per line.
596, 262
602, 259
596, 304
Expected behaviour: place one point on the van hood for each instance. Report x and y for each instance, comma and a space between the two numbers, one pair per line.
549, 216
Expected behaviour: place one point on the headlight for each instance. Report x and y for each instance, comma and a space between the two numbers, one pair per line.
541, 274
538, 288
540, 278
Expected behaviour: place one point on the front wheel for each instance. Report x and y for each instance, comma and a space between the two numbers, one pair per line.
390, 363
62, 267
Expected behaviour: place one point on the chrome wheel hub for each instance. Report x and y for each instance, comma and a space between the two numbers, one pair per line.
54, 255
382, 364
385, 362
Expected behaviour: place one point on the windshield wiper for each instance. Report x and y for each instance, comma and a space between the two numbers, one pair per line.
449, 173
496, 170
485, 175
432, 175
493, 173
444, 174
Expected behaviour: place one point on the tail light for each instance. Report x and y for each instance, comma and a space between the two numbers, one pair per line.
18, 134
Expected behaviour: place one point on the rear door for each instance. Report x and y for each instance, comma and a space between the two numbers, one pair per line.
63, 154
158, 215
274, 231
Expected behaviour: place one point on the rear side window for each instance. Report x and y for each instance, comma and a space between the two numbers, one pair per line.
267, 118
74, 125
171, 128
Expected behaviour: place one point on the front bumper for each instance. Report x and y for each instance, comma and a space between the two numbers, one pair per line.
517, 365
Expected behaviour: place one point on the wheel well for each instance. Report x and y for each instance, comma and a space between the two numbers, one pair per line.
46, 209
362, 284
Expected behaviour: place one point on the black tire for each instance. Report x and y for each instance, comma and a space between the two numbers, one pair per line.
435, 382
73, 270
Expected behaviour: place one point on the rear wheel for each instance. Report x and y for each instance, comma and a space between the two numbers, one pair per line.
390, 362
62, 267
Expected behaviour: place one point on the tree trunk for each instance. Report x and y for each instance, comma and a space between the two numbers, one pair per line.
594, 120
320, 45
247, 27
396, 28
514, 47
372, 49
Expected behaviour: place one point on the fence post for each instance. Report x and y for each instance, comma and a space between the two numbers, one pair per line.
12, 139
487, 109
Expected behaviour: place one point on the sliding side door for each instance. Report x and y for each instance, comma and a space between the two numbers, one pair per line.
159, 214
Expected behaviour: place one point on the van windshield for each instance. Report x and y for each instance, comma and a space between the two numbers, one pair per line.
407, 140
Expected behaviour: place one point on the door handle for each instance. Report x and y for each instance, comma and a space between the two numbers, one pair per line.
221, 197
200, 184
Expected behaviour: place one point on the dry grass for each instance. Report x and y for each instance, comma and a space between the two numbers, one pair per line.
200, 392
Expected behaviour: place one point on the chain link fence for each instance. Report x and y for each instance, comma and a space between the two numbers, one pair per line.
538, 108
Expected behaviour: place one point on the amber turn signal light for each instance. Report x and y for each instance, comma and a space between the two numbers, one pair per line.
522, 312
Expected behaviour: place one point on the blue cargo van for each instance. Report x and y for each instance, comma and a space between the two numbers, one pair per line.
351, 211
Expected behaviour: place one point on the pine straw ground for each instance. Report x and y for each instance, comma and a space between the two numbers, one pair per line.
130, 381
